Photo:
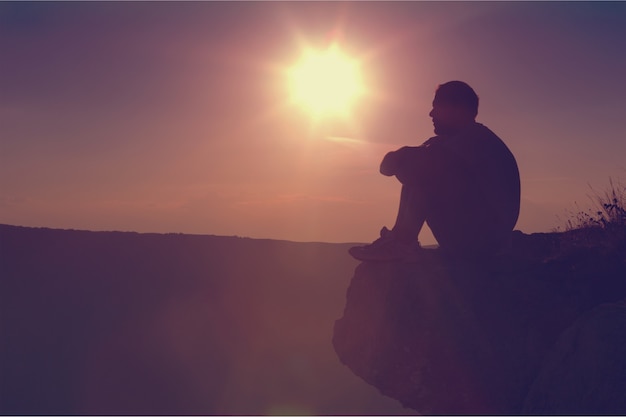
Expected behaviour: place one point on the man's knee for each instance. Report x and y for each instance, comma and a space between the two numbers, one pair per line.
410, 164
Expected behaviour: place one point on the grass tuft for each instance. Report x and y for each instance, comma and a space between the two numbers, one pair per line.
602, 225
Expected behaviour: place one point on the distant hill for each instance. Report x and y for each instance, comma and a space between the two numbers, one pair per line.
128, 323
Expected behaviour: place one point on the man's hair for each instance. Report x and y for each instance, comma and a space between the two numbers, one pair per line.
458, 93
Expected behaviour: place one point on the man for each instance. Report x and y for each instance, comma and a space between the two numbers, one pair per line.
464, 183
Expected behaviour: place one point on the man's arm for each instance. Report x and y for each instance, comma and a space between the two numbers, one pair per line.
403, 158
389, 165
413, 163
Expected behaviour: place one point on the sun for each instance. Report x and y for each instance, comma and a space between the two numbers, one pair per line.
326, 82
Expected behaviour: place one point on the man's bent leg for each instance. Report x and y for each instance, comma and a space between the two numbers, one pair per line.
400, 243
411, 214
461, 220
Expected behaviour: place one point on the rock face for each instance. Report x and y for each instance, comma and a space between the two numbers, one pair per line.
513, 334
591, 356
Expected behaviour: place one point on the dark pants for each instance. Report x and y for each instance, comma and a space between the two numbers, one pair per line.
442, 191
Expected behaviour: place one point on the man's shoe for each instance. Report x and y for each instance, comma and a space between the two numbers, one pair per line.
386, 249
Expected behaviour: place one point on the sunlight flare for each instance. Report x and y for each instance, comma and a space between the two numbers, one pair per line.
326, 82
344, 140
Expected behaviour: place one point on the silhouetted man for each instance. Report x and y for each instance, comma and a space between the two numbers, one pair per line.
464, 183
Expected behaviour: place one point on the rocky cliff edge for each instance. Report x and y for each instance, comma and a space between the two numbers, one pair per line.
539, 330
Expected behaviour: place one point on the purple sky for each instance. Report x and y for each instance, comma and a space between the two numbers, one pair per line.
174, 117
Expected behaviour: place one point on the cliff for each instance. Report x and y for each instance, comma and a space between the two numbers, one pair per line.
541, 330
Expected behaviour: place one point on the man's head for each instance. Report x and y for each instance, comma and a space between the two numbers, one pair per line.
454, 107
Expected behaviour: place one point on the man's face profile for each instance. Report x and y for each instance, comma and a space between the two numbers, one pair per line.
448, 118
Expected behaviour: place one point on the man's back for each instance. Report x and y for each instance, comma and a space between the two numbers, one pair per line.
476, 187
492, 168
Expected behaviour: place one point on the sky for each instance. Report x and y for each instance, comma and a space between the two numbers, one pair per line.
176, 116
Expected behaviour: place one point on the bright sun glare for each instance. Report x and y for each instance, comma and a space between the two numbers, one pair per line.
326, 82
